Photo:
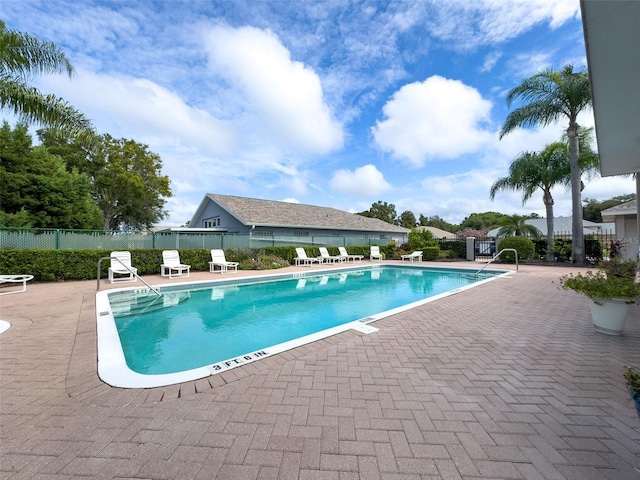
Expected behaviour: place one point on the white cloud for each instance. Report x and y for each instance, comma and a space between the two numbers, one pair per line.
285, 93
466, 25
290, 200
435, 119
363, 181
490, 61
140, 108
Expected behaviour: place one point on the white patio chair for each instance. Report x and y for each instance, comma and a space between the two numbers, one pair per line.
347, 256
375, 253
13, 280
171, 263
218, 260
417, 255
302, 258
121, 269
326, 258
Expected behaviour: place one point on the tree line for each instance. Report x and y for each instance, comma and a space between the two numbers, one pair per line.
75, 178
482, 222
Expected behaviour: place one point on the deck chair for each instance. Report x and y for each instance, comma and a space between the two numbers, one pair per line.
326, 258
375, 253
347, 256
417, 255
218, 260
12, 280
121, 269
171, 265
302, 258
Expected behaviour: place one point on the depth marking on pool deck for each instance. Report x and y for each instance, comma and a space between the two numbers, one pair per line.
241, 360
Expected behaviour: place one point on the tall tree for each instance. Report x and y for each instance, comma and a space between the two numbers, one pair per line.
407, 219
37, 189
531, 171
437, 222
126, 179
382, 211
23, 56
482, 221
547, 97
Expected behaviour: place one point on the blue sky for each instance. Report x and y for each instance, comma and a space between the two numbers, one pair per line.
332, 103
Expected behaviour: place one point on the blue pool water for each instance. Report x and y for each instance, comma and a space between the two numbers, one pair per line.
206, 325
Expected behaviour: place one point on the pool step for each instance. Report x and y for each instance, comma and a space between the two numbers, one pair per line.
136, 303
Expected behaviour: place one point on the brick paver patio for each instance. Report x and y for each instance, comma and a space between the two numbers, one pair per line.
508, 380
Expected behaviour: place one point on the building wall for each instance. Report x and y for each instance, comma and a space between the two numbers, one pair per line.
227, 221
626, 230
230, 224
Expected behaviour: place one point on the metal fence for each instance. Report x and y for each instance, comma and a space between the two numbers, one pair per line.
59, 239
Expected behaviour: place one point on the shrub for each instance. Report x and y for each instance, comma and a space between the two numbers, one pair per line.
523, 245
421, 239
430, 253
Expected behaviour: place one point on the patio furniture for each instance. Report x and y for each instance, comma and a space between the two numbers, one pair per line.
15, 279
121, 269
417, 255
171, 263
218, 260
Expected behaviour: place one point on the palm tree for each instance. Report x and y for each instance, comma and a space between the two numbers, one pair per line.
21, 57
531, 171
516, 225
547, 97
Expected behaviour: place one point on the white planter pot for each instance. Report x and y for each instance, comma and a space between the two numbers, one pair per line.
609, 317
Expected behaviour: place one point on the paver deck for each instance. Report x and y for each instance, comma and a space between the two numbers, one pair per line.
508, 380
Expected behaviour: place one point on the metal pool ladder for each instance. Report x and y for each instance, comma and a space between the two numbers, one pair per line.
497, 255
125, 266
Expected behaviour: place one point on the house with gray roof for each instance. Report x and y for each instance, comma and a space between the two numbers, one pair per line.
625, 218
270, 218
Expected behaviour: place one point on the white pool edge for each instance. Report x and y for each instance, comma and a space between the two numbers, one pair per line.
113, 368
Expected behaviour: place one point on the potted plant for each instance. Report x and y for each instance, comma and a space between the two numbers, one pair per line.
611, 289
632, 379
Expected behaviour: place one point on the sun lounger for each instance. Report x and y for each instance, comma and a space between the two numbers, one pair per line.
347, 256
15, 280
302, 258
218, 260
171, 263
326, 258
417, 255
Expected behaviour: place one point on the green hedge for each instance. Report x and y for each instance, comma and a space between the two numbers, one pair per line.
430, 253
51, 265
459, 247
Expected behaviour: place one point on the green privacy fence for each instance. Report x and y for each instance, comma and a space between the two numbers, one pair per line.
60, 239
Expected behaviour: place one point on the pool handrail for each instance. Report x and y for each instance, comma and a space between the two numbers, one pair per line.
497, 255
135, 274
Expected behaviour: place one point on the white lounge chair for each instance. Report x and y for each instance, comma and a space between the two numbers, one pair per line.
121, 269
218, 260
417, 255
326, 258
375, 253
171, 263
302, 258
15, 279
347, 256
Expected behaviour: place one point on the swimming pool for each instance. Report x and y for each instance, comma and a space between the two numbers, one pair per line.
199, 329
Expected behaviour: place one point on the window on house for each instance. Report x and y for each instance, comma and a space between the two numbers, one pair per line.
300, 234
262, 233
211, 222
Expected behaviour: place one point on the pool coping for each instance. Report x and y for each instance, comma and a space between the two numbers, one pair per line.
114, 371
